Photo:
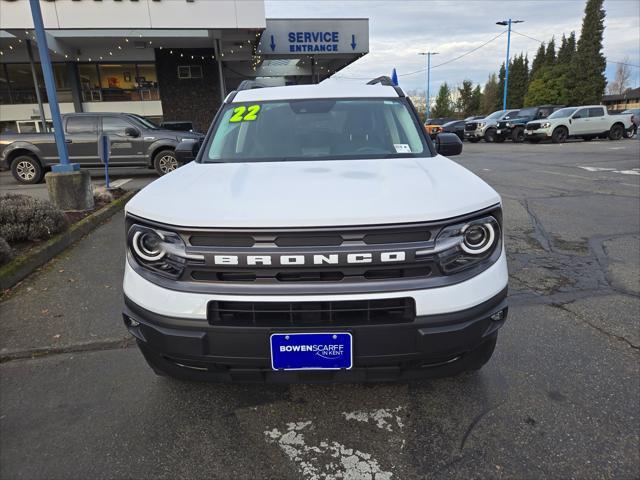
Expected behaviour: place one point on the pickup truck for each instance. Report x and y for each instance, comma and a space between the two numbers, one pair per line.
586, 122
514, 127
134, 141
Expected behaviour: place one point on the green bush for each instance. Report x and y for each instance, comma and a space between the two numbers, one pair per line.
6, 252
24, 218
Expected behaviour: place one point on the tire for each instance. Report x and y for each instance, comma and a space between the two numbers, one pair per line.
27, 170
499, 139
517, 136
482, 354
559, 135
473, 140
165, 162
490, 135
616, 132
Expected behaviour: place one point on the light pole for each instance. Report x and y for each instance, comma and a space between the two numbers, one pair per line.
507, 23
427, 97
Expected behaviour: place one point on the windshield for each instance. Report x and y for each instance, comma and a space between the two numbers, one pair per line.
316, 130
147, 123
562, 113
527, 112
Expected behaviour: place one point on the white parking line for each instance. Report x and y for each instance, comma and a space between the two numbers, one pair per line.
633, 171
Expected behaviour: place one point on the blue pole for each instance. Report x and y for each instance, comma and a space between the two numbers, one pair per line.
428, 84
49, 83
506, 66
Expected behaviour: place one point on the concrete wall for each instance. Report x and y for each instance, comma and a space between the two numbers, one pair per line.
196, 99
25, 111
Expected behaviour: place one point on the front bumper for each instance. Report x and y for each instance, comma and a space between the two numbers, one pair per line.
172, 329
477, 133
540, 134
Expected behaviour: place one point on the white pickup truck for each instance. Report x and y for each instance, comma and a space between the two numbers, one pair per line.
587, 122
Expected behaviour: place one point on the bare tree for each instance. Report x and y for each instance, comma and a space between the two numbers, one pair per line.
621, 82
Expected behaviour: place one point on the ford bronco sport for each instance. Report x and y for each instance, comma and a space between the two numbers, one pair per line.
319, 235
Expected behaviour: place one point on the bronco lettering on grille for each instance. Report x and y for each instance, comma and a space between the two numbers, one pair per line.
330, 259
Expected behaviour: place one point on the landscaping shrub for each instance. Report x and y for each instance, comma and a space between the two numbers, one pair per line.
24, 218
102, 195
6, 252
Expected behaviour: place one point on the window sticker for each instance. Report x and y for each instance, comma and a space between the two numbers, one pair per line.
402, 148
245, 114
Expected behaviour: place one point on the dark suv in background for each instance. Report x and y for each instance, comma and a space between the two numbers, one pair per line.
513, 128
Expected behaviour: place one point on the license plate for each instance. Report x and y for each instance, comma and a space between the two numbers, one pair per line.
311, 351
498, 132
528, 132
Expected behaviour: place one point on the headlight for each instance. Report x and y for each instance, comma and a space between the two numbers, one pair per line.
464, 245
481, 124
158, 250
546, 125
508, 124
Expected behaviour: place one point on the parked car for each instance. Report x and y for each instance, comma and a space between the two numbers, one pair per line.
456, 126
586, 122
485, 128
433, 126
134, 141
298, 249
513, 128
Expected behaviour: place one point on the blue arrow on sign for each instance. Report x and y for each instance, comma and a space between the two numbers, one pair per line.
353, 42
273, 44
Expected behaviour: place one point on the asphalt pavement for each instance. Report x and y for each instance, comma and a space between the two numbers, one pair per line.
559, 399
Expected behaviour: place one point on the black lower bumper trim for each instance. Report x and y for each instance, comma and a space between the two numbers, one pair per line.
432, 345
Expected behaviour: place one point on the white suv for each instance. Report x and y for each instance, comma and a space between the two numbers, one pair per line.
319, 235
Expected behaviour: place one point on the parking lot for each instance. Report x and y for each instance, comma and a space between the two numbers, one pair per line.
559, 399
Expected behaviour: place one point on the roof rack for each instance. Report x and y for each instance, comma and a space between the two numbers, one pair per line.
386, 81
383, 80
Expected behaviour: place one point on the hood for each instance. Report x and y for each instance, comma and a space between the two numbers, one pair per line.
313, 193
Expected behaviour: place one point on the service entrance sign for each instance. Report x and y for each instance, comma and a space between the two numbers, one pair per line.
315, 37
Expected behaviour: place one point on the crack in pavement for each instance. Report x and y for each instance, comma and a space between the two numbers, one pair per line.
115, 344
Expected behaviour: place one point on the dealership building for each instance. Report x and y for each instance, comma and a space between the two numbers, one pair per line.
168, 60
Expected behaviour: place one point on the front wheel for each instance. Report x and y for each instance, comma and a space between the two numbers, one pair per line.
27, 169
616, 132
490, 135
559, 135
518, 135
165, 161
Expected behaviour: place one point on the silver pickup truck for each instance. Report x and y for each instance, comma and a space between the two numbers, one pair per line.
134, 141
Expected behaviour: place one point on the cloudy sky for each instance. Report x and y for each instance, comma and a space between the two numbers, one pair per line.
399, 29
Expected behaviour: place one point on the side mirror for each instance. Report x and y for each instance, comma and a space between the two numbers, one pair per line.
448, 144
187, 150
131, 132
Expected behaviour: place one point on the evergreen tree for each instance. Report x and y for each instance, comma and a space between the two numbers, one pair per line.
538, 60
464, 98
491, 98
589, 64
475, 105
443, 107
550, 54
565, 52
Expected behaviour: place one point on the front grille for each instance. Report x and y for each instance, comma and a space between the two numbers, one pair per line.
470, 126
339, 313
502, 124
533, 126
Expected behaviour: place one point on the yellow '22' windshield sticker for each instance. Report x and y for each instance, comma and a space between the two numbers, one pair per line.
245, 114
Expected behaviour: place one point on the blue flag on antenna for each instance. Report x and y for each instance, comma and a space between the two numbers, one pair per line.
394, 77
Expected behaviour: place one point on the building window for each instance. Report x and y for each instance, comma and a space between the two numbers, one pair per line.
126, 82
20, 88
189, 71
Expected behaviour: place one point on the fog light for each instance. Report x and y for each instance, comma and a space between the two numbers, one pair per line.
498, 316
131, 322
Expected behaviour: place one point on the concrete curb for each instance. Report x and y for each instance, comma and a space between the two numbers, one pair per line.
23, 265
